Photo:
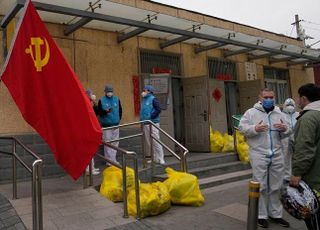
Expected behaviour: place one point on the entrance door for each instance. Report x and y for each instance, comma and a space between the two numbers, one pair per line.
248, 94
196, 117
218, 110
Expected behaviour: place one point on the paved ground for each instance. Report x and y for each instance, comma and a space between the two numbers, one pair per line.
9, 218
67, 206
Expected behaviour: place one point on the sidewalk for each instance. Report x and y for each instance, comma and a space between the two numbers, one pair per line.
67, 206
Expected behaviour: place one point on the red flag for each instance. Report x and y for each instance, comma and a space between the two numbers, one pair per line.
49, 95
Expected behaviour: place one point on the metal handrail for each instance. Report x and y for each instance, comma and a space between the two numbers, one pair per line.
36, 171
133, 155
125, 154
182, 159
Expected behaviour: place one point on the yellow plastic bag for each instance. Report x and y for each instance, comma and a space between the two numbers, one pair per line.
111, 186
239, 137
242, 147
183, 188
154, 199
243, 151
228, 145
216, 141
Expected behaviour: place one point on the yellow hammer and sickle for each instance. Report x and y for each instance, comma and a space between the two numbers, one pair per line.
37, 42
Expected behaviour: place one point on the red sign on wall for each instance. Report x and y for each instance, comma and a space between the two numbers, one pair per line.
216, 94
161, 70
223, 77
136, 95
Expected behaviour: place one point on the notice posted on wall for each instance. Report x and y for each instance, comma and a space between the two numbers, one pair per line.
161, 86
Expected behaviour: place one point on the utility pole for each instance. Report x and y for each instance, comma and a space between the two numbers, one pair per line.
298, 29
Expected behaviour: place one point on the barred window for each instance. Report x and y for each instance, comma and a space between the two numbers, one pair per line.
157, 62
277, 80
222, 69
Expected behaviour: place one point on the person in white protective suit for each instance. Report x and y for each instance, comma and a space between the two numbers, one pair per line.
264, 126
290, 114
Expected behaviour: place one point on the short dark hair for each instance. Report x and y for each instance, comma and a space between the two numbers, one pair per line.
310, 91
266, 90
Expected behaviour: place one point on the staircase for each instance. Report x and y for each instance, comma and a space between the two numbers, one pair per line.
211, 169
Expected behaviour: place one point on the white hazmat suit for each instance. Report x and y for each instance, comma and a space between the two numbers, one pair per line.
290, 114
266, 156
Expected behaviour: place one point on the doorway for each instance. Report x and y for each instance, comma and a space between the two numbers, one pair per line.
196, 113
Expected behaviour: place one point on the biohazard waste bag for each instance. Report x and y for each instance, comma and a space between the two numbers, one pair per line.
242, 148
228, 144
216, 141
154, 199
111, 186
183, 188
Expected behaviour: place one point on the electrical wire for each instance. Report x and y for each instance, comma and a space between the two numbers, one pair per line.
311, 28
291, 30
315, 23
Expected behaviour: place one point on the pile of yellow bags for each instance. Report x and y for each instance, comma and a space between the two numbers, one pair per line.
220, 143
111, 186
242, 147
155, 198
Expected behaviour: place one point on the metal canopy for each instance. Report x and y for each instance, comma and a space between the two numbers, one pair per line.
73, 27
173, 41
210, 47
261, 56
131, 34
134, 23
277, 60
232, 53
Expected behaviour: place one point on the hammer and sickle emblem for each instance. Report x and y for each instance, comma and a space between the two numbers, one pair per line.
37, 42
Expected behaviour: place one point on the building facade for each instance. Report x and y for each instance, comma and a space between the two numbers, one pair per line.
200, 88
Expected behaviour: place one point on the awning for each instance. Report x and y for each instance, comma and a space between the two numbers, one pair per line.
130, 21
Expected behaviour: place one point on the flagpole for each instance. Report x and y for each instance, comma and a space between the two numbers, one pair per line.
24, 10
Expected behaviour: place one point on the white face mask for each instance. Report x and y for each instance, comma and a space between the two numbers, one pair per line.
289, 109
109, 94
143, 94
93, 97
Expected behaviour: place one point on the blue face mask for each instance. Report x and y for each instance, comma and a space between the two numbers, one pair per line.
267, 103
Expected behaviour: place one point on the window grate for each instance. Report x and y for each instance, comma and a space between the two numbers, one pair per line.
277, 80
222, 69
151, 60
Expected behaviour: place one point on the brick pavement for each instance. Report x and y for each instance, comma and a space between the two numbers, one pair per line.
9, 218
225, 209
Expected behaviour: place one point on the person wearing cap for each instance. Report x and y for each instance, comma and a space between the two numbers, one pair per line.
150, 110
110, 112
290, 115
92, 99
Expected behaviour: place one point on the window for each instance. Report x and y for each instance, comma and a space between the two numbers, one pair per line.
222, 69
151, 61
277, 80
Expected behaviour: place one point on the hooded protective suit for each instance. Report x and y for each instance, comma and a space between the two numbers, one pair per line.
266, 156
290, 114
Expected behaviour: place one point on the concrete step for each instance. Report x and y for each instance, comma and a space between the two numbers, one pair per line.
209, 171
224, 178
195, 161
